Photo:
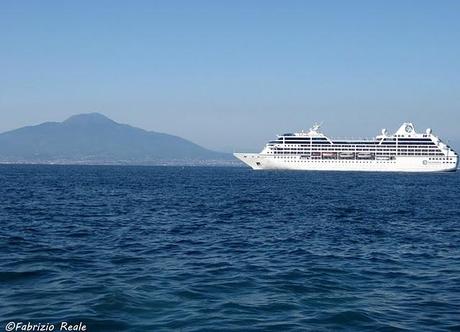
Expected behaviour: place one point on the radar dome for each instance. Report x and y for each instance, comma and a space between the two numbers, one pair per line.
429, 131
384, 132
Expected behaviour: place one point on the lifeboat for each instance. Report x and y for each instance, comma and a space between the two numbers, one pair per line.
365, 155
329, 154
346, 155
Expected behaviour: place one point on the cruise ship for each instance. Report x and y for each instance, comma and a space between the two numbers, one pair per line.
404, 151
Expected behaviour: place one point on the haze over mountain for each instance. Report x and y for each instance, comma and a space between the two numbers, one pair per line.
94, 138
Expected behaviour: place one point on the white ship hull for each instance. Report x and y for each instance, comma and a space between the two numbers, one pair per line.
400, 164
404, 151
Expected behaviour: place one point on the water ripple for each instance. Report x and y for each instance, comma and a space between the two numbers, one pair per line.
193, 249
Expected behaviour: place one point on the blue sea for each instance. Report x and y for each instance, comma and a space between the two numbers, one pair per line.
229, 249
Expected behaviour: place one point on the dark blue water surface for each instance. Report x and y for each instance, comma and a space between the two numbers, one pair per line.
215, 248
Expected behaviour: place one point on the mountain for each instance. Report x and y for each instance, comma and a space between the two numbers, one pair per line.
94, 138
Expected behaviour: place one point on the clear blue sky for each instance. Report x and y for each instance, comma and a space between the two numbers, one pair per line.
232, 74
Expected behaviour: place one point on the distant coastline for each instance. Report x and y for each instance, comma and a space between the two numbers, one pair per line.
207, 163
94, 139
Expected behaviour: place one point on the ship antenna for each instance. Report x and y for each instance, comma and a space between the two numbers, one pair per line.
316, 126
